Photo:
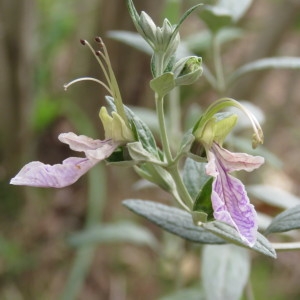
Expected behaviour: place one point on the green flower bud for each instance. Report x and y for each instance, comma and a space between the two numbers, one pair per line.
115, 127
216, 129
187, 70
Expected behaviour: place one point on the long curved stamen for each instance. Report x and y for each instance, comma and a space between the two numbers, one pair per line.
96, 55
67, 85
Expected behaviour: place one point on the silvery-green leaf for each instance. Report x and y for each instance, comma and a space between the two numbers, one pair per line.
139, 154
124, 231
163, 84
186, 142
148, 116
285, 221
225, 271
131, 39
173, 220
201, 42
273, 196
228, 233
266, 63
194, 176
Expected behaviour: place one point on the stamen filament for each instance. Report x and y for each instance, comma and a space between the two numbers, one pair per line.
66, 86
100, 63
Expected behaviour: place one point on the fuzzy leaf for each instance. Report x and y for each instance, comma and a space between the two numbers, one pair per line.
194, 176
228, 233
131, 39
225, 271
285, 221
173, 220
163, 84
124, 231
266, 63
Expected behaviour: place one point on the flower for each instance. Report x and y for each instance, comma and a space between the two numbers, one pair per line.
60, 175
229, 197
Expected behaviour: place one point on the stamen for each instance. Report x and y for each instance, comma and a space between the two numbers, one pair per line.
87, 79
83, 42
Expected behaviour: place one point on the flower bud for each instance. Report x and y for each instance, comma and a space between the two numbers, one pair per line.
216, 129
115, 127
187, 70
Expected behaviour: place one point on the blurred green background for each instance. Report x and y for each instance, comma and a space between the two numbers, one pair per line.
39, 53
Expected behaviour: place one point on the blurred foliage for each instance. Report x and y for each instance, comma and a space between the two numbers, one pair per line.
35, 258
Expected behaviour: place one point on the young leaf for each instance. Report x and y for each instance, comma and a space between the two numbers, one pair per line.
194, 176
139, 154
273, 196
224, 272
173, 220
124, 231
224, 13
264, 64
228, 233
163, 84
285, 221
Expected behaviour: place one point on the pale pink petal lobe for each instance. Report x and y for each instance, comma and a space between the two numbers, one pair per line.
57, 176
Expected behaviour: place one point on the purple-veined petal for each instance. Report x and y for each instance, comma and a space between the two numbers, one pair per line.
229, 197
237, 161
60, 175
232, 206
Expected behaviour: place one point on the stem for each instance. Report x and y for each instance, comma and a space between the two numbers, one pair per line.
159, 101
218, 65
181, 188
173, 117
286, 246
184, 198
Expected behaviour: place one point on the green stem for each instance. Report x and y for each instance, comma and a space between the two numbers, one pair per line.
162, 127
181, 188
286, 246
221, 86
185, 199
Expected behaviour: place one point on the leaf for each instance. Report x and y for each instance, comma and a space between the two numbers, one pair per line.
203, 201
124, 231
194, 176
273, 196
225, 271
188, 293
285, 221
139, 154
173, 220
142, 131
224, 13
131, 39
186, 143
201, 42
228, 233
264, 64
163, 84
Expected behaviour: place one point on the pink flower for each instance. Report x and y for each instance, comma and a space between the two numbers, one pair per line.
60, 175
229, 197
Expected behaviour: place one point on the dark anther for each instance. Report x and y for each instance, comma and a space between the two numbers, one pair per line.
83, 42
